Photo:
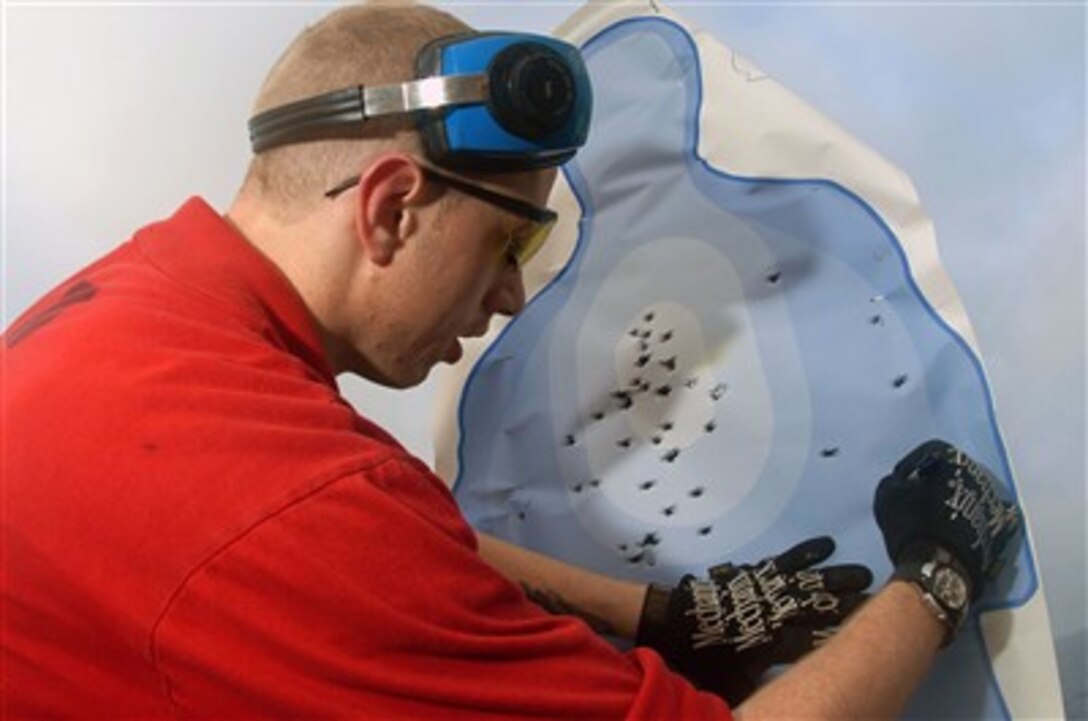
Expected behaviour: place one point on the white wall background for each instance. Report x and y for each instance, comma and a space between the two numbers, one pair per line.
115, 113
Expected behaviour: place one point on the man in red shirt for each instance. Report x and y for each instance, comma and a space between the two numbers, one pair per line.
196, 523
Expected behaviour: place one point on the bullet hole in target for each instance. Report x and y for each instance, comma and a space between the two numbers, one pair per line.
595, 483
669, 364
569, 440
830, 452
624, 443
669, 510
664, 390
646, 556
774, 276
666, 336
642, 360
650, 539
900, 380
718, 391
643, 346
696, 492
645, 334
705, 531
656, 440
598, 416
646, 485
710, 426
691, 382
876, 320
649, 317
577, 488
671, 455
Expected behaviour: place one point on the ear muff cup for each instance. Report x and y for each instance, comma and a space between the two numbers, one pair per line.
532, 90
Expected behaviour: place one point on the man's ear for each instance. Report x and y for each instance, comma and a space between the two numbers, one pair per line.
390, 193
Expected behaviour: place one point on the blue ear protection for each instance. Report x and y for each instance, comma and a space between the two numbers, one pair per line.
481, 101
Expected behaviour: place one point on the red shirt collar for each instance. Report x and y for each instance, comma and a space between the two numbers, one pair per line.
199, 248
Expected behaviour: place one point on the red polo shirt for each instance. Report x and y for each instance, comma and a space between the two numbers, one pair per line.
195, 523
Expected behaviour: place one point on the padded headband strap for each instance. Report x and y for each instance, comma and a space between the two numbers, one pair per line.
304, 119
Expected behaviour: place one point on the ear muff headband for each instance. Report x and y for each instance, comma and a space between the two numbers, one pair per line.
482, 101
321, 115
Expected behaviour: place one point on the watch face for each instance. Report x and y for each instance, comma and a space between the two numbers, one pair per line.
950, 588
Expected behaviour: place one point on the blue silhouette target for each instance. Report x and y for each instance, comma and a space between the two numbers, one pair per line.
724, 367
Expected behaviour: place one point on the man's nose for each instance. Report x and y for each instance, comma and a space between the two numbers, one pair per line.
507, 297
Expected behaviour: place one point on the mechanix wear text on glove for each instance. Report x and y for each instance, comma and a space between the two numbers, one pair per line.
725, 631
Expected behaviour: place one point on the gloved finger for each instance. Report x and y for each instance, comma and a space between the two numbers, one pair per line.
923, 456
895, 487
896, 499
844, 577
887, 491
805, 554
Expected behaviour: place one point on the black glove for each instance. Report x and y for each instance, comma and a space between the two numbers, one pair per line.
723, 633
939, 498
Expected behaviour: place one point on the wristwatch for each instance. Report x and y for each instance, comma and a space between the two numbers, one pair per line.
944, 588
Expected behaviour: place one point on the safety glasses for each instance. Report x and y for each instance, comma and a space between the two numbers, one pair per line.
521, 244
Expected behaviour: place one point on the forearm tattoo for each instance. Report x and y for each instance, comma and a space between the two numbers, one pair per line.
554, 603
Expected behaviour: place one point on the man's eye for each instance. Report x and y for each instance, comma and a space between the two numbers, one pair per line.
515, 247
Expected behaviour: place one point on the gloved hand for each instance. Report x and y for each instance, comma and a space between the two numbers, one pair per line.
724, 632
937, 496
944, 519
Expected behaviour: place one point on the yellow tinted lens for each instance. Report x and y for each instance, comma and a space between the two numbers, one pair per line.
525, 244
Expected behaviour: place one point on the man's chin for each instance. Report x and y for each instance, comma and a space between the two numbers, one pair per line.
401, 377
409, 378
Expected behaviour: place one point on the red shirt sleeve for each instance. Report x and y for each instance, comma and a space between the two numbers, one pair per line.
367, 599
